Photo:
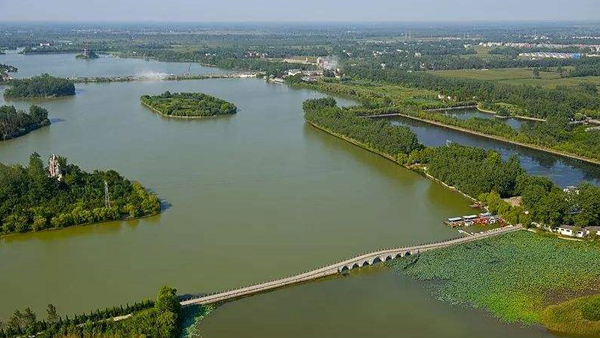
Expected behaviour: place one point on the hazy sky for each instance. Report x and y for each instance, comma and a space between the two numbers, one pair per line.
298, 10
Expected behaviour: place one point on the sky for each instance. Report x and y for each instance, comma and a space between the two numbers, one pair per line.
298, 10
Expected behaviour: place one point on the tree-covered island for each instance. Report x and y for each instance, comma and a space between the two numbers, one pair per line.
35, 197
188, 105
15, 123
43, 86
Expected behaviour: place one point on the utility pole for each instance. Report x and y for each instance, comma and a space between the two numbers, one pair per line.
106, 196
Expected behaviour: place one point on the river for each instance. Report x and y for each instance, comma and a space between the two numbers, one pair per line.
248, 198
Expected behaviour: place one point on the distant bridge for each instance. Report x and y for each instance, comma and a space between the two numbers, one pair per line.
346, 265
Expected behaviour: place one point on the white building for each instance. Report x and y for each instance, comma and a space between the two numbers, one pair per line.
566, 230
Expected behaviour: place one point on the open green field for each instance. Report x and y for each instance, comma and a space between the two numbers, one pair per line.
518, 76
515, 276
496, 74
552, 83
378, 92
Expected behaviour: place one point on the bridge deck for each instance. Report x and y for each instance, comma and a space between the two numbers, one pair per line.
355, 262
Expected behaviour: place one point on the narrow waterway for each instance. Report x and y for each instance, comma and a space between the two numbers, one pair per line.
563, 171
248, 198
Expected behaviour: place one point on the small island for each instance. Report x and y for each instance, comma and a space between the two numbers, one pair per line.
15, 123
188, 105
43, 86
65, 195
87, 54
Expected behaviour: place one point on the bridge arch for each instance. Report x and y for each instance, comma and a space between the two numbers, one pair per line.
355, 266
377, 260
389, 258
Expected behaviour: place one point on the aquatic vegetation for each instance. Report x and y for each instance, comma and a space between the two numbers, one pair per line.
514, 276
580, 317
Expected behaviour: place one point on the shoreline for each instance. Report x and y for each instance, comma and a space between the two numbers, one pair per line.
122, 219
391, 158
46, 123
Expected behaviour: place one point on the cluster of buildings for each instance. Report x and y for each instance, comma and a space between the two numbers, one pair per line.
573, 231
485, 218
256, 55
548, 55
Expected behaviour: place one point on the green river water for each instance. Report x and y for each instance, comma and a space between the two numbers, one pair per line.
248, 198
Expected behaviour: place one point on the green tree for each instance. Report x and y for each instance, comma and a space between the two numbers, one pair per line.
53, 317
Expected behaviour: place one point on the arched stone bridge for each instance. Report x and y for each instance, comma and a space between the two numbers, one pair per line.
339, 267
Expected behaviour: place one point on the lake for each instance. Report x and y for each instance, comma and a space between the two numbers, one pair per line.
248, 198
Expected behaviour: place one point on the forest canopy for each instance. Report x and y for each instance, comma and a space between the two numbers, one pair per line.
188, 104
32, 200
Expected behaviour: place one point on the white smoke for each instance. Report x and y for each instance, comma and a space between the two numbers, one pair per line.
333, 62
152, 75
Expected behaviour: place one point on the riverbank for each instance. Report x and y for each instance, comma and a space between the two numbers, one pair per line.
390, 157
493, 137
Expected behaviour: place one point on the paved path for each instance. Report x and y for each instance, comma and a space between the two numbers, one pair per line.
339, 267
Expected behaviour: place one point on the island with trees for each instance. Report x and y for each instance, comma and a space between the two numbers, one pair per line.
35, 197
15, 123
188, 105
43, 86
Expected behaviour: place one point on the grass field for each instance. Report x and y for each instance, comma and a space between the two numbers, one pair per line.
377, 92
518, 76
515, 276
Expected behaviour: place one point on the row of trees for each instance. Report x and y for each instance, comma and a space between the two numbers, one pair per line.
188, 104
30, 200
393, 141
157, 319
40, 86
15, 123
